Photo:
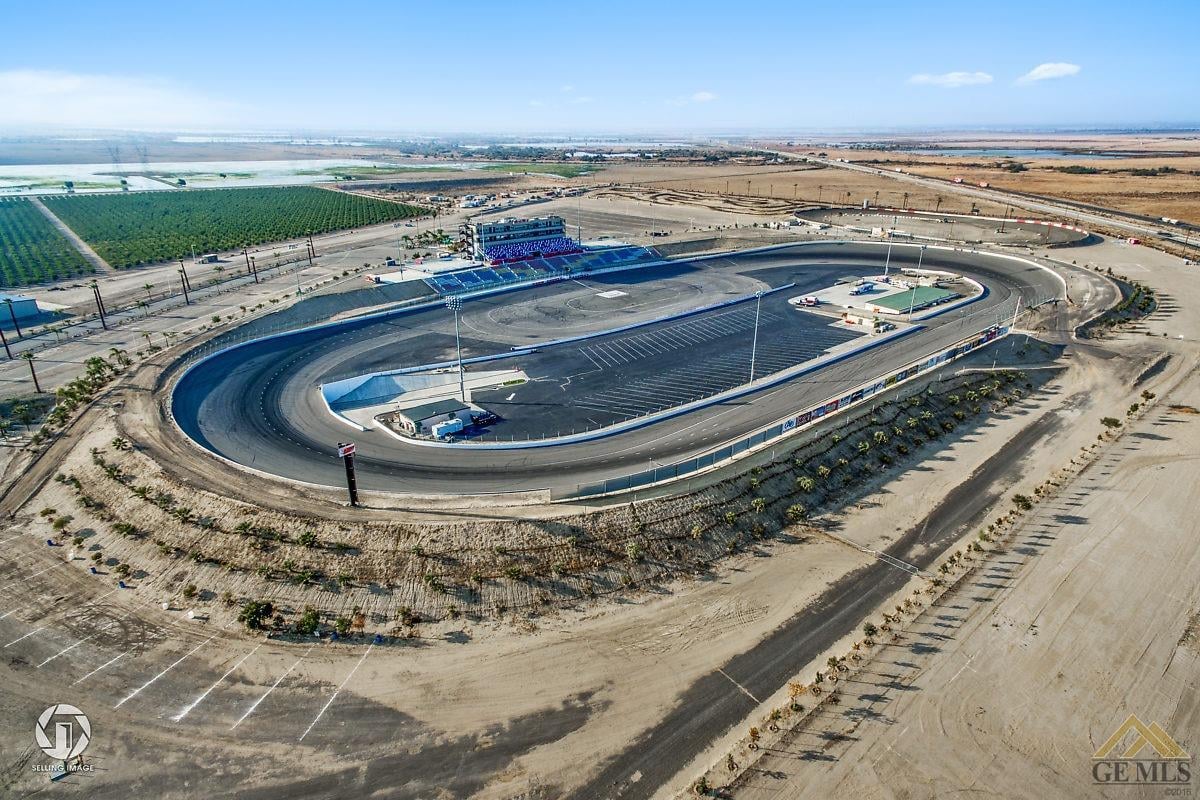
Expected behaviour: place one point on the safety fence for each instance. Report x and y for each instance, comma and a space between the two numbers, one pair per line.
786, 427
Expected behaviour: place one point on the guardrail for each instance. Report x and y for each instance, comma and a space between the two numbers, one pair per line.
787, 427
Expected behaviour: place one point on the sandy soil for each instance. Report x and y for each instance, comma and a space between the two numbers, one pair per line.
1071, 618
1175, 195
1088, 617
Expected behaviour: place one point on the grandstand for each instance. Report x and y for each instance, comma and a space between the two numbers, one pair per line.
540, 268
519, 251
511, 239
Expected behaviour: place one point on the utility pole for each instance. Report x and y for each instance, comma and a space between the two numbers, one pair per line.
888, 262
183, 272
13, 314
183, 282
454, 303
1003, 222
32, 372
246, 255
4, 340
99, 305
254, 268
754, 345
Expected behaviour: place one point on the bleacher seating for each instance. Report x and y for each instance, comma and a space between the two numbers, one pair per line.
535, 268
518, 251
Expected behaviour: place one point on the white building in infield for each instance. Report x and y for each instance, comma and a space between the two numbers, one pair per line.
512, 239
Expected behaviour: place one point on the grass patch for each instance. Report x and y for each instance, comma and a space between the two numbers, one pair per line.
562, 170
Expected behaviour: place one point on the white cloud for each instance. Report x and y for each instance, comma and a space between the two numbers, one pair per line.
951, 80
695, 97
581, 99
1049, 71
568, 88
536, 103
45, 98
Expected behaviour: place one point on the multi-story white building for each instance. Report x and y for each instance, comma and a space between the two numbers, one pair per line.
511, 238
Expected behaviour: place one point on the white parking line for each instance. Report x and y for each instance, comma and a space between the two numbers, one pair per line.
26, 636
216, 683
335, 693
67, 650
589, 358
177, 662
102, 666
27, 577
278, 680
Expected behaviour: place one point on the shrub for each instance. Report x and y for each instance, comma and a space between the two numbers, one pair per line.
254, 612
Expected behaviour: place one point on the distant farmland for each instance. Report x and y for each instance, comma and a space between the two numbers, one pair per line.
132, 229
31, 248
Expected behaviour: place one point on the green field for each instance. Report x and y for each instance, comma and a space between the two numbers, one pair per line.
145, 227
31, 248
560, 169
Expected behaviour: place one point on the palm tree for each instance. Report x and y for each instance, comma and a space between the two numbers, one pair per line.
148, 287
24, 414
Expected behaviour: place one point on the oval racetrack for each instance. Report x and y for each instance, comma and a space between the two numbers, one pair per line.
258, 404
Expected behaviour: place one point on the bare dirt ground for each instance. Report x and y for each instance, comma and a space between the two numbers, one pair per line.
1009, 684
811, 185
1176, 194
1032, 663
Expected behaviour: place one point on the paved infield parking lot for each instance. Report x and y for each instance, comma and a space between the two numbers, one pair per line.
610, 379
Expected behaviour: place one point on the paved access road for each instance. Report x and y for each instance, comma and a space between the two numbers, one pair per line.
258, 404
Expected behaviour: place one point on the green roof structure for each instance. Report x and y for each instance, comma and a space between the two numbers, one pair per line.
916, 298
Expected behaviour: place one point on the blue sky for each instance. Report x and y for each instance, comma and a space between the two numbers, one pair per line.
615, 66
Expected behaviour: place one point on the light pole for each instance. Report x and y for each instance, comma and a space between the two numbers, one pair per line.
888, 261
754, 345
4, 340
454, 303
913, 300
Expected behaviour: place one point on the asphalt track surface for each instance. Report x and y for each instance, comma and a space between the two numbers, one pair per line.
258, 404
623, 376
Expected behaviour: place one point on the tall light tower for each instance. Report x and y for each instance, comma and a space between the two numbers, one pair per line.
754, 345
913, 300
454, 303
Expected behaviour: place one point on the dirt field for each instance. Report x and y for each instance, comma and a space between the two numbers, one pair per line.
1175, 194
1071, 617
810, 185
1104, 568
